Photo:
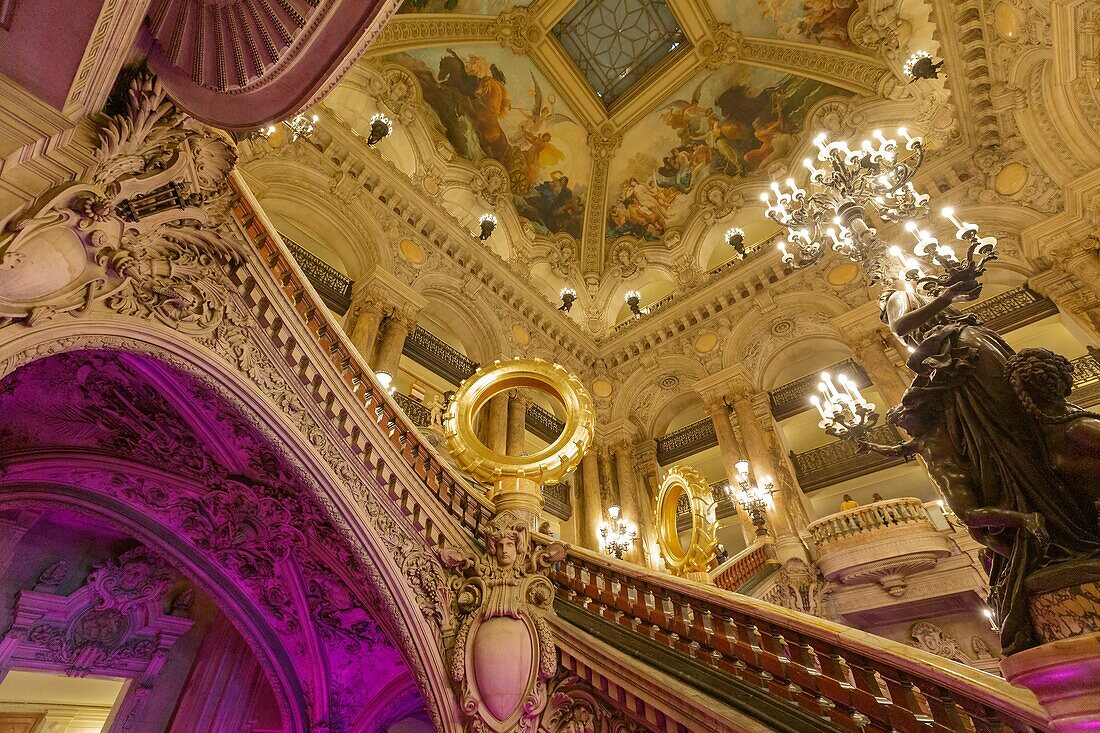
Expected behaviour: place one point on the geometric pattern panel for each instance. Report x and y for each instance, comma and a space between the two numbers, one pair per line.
615, 42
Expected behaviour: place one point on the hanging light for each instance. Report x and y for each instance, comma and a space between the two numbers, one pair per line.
845, 414
634, 300
380, 129
300, 126
568, 297
735, 237
920, 66
488, 224
754, 498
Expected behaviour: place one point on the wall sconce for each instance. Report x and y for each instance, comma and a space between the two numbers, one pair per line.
634, 300
380, 129
300, 126
755, 499
735, 237
568, 297
920, 66
616, 534
488, 225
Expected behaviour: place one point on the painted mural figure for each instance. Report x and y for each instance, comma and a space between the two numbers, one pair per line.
482, 117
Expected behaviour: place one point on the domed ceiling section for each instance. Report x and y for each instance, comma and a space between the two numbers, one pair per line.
632, 133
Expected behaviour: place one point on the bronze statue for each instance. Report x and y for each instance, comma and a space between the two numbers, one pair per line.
1018, 465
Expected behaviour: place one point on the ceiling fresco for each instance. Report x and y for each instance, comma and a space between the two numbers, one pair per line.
816, 21
491, 103
734, 121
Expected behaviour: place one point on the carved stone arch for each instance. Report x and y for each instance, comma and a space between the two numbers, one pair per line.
652, 385
671, 408
1048, 120
266, 643
467, 316
293, 191
402, 611
829, 345
610, 295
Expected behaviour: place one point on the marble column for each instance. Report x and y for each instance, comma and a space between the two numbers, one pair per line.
764, 465
395, 329
517, 423
731, 451
496, 424
633, 510
870, 353
369, 312
648, 471
591, 504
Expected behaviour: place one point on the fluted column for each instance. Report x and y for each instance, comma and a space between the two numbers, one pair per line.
591, 506
517, 423
395, 329
731, 451
375, 294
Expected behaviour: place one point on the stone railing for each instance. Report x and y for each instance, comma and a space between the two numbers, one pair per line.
840, 460
793, 397
745, 565
868, 519
843, 675
333, 286
420, 415
847, 678
435, 354
688, 440
1012, 309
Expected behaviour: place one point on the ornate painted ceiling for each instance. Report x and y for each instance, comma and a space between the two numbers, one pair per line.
631, 134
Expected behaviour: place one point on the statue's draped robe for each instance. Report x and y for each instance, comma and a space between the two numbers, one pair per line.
969, 407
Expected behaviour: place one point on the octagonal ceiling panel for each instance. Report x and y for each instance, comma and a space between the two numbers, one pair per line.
734, 121
615, 42
814, 21
491, 103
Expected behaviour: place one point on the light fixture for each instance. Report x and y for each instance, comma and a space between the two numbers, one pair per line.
300, 126
920, 66
929, 253
488, 224
735, 237
380, 128
988, 613
616, 534
845, 414
832, 213
384, 378
568, 297
754, 498
634, 300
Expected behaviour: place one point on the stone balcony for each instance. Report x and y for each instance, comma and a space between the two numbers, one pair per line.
885, 543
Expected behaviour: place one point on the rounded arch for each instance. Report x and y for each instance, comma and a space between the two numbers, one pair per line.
414, 639
801, 357
478, 328
678, 410
20, 486
648, 390
291, 193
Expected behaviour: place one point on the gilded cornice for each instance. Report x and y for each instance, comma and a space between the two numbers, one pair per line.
406, 32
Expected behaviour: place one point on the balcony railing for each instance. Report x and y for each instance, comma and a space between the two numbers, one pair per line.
556, 500
688, 440
1013, 309
839, 461
794, 397
866, 520
333, 286
420, 415
1086, 379
746, 565
543, 423
435, 354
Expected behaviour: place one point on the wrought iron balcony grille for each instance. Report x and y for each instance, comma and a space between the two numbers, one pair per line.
333, 286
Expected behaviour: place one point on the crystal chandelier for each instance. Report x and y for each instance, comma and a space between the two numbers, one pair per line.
735, 237
832, 214
380, 128
568, 297
845, 414
754, 498
921, 66
616, 534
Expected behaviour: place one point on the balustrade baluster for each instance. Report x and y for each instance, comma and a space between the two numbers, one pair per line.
868, 697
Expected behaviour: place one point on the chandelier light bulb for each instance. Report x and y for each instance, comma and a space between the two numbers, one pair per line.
488, 224
613, 511
384, 378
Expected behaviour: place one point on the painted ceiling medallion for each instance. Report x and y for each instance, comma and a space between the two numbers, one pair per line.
615, 42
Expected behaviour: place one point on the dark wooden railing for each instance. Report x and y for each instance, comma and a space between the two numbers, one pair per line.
744, 566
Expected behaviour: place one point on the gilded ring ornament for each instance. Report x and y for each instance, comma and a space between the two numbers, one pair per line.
546, 466
693, 560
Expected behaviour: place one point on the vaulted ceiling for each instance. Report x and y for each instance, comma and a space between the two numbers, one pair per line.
633, 133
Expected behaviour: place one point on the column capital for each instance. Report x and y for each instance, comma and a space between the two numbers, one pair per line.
859, 323
379, 286
517, 395
619, 432
734, 379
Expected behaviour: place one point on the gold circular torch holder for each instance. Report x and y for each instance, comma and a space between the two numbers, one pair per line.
693, 560
516, 481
